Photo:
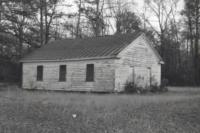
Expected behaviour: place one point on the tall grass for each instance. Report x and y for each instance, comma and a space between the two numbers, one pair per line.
50, 112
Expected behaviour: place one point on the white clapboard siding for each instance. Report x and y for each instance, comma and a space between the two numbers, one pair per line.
136, 63
76, 76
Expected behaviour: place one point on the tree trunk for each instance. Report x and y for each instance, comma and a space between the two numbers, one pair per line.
97, 28
162, 53
46, 23
79, 19
20, 41
196, 57
190, 35
41, 22
0, 10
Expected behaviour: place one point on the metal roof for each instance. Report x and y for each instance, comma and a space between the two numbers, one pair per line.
95, 47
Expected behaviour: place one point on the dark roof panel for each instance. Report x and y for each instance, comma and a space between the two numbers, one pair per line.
107, 46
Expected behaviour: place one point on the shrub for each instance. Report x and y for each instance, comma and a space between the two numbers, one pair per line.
164, 83
158, 88
131, 87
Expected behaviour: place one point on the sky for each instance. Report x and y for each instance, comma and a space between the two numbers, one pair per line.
150, 15
139, 4
138, 8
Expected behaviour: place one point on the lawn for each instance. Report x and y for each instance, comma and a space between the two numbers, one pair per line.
177, 111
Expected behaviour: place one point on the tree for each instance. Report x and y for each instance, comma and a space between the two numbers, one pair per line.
164, 12
8, 47
192, 14
17, 19
41, 22
93, 10
80, 11
48, 14
127, 22
1, 9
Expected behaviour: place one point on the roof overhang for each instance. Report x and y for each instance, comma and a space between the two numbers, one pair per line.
161, 62
68, 60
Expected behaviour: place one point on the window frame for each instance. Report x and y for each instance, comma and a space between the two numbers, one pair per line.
150, 75
40, 73
60, 73
90, 77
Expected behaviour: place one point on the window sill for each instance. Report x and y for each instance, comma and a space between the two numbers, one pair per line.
39, 80
62, 81
89, 81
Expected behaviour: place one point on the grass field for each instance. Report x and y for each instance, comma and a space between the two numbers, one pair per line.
177, 111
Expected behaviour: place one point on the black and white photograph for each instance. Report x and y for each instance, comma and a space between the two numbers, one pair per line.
99, 66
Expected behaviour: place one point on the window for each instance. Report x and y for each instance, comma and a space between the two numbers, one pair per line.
150, 78
39, 73
62, 73
90, 73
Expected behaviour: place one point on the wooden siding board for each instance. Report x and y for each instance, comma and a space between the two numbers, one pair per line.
75, 78
135, 60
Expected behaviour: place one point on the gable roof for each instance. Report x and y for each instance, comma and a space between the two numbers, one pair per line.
79, 49
106, 46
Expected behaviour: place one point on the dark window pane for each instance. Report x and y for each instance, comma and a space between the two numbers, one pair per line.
90, 72
39, 73
62, 74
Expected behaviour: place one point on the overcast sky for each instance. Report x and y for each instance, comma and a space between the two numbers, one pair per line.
138, 8
154, 21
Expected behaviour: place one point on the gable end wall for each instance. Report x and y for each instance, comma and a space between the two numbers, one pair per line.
138, 63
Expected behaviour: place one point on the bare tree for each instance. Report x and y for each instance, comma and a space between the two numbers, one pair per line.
41, 22
94, 12
48, 13
192, 23
79, 18
163, 12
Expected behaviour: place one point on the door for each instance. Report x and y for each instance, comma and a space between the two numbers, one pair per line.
142, 76
149, 77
